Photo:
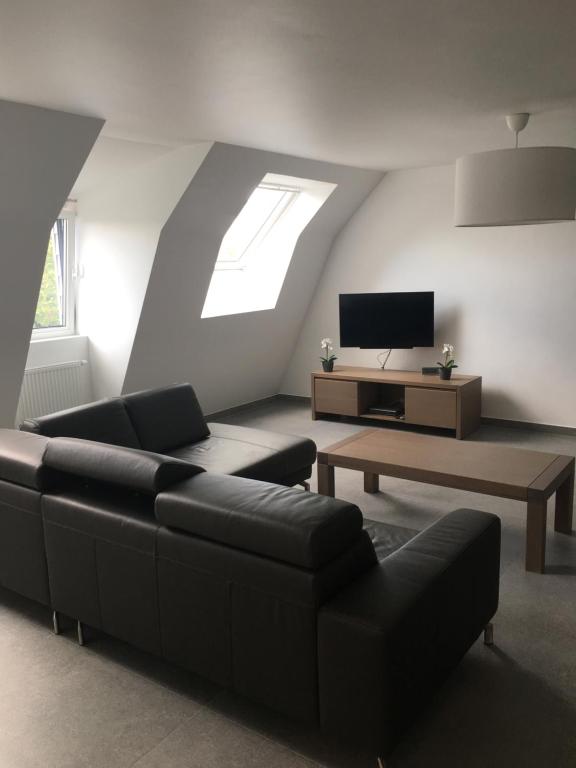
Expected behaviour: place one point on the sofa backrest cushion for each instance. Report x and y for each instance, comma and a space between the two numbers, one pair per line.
167, 418
105, 421
293, 526
130, 468
22, 459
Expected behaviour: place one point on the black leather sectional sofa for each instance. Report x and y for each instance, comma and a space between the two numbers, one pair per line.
283, 596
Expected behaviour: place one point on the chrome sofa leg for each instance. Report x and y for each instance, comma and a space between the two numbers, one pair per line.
56, 622
80, 632
489, 634
306, 485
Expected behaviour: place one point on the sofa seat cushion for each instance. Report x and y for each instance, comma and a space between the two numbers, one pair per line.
252, 453
105, 421
303, 529
167, 417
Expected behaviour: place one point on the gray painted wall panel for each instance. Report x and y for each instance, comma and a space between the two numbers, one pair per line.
42, 153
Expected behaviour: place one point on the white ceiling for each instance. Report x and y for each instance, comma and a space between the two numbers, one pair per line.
374, 83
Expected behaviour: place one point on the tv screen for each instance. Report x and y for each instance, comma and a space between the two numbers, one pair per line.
387, 320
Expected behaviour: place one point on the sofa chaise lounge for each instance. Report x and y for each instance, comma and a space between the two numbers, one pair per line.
169, 420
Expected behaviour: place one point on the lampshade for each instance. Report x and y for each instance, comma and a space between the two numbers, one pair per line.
531, 185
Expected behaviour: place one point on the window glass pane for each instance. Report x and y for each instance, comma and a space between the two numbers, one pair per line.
255, 252
50, 312
258, 210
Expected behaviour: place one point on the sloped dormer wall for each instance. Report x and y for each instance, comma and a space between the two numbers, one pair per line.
236, 358
120, 218
42, 152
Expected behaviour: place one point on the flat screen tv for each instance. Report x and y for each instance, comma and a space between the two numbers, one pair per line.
387, 320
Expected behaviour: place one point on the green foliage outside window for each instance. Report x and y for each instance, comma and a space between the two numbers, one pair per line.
49, 312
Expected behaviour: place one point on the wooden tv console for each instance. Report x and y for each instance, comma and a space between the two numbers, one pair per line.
428, 400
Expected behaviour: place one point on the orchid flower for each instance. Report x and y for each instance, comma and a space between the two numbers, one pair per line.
327, 347
448, 352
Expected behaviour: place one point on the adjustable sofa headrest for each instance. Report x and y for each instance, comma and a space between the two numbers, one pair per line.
22, 459
106, 421
285, 524
166, 417
133, 469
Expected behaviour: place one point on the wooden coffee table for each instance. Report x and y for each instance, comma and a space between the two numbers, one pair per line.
511, 473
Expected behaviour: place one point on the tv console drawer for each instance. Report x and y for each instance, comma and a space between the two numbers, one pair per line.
340, 397
430, 407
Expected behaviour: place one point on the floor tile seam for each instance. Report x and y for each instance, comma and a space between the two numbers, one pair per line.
147, 678
263, 735
204, 709
167, 736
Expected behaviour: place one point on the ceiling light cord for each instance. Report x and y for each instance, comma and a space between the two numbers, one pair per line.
379, 356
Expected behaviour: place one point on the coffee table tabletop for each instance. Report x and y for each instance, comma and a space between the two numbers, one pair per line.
513, 473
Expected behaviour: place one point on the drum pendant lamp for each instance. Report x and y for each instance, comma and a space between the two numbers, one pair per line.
506, 187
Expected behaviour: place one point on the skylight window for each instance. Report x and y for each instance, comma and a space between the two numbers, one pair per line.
256, 251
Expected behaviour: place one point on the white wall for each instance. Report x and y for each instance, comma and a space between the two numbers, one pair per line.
238, 358
124, 198
505, 296
41, 154
63, 349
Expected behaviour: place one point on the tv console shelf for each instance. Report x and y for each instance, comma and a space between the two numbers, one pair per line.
428, 401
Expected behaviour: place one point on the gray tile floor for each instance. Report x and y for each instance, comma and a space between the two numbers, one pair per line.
109, 706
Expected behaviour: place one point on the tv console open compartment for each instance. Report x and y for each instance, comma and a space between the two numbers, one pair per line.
381, 401
370, 393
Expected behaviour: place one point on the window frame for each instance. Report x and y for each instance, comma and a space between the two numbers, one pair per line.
70, 282
290, 194
261, 261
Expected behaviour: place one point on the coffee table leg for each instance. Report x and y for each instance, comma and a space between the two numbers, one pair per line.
326, 479
564, 506
536, 536
371, 482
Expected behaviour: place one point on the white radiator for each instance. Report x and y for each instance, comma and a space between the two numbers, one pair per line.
51, 388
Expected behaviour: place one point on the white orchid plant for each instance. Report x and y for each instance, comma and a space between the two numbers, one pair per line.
327, 347
448, 352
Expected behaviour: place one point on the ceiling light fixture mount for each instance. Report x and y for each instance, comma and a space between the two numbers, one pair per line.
517, 122
505, 187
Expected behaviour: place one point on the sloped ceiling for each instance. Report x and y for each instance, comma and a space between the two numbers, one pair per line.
111, 161
370, 83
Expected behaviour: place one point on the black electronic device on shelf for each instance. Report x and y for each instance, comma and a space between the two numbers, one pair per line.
395, 409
